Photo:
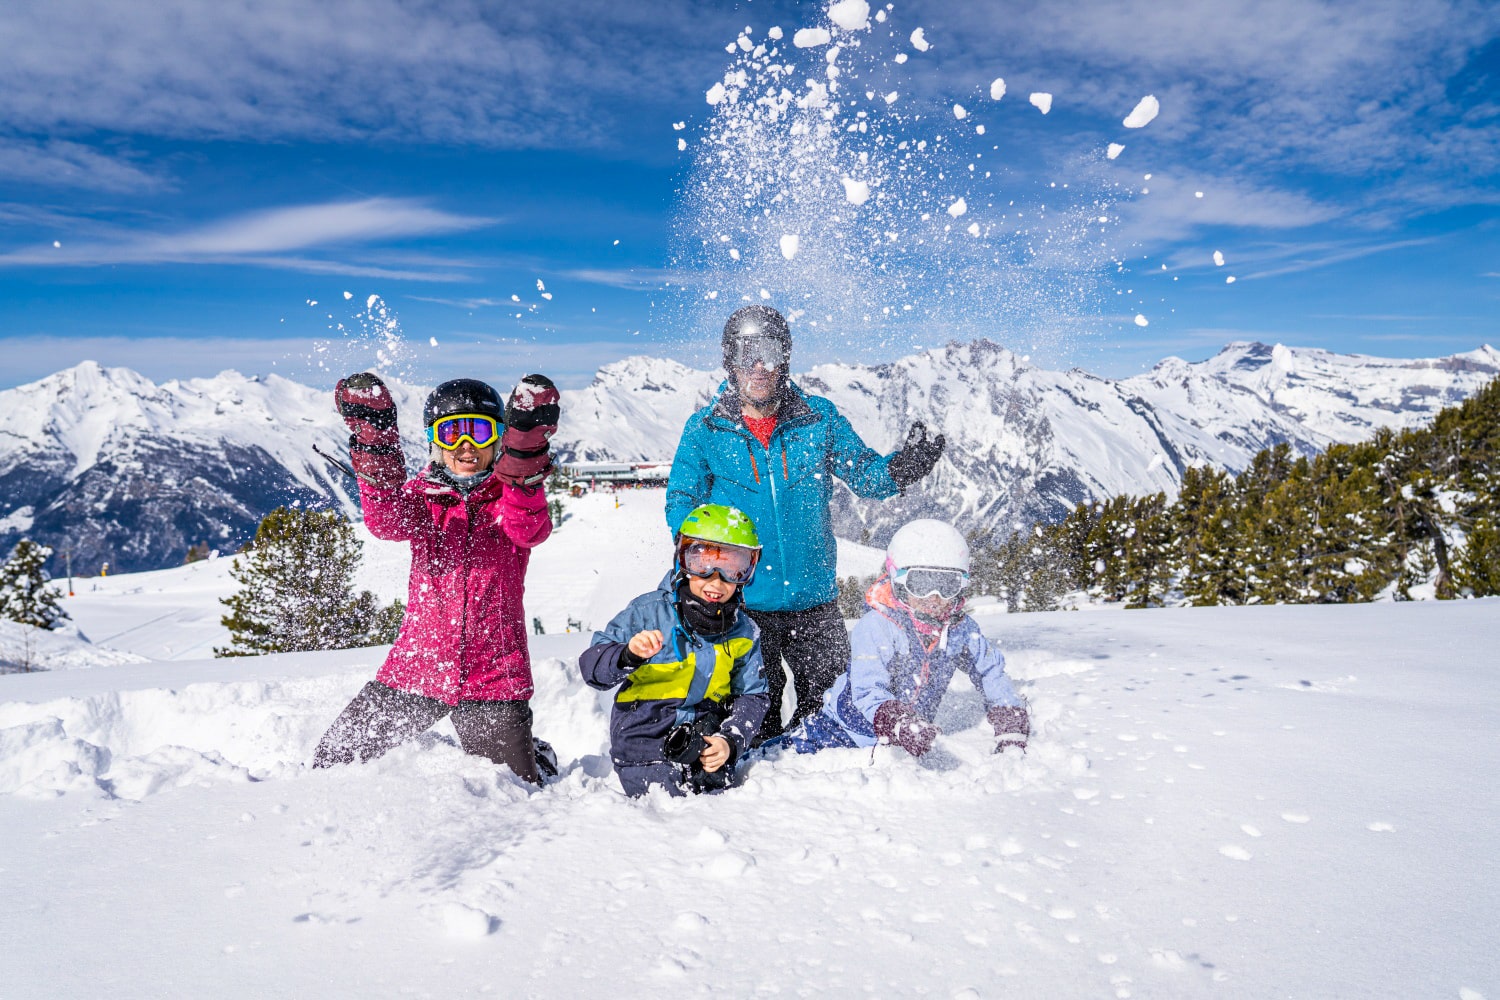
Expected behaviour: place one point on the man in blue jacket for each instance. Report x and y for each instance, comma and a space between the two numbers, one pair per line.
768, 448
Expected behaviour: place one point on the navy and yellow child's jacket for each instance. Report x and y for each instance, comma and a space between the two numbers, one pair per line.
691, 673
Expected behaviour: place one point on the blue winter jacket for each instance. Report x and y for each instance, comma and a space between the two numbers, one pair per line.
689, 674
891, 660
786, 488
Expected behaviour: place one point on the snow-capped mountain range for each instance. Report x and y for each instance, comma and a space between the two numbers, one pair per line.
124, 471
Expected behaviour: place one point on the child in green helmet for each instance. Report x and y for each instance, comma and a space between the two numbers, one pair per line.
686, 660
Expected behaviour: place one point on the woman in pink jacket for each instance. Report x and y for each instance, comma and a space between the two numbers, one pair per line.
472, 518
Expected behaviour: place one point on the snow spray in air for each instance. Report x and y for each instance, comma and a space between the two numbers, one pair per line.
369, 340
880, 219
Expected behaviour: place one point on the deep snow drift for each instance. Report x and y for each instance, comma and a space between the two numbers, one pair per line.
1241, 802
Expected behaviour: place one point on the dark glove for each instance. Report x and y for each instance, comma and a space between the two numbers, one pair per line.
917, 457
1012, 726
897, 723
531, 418
368, 408
629, 662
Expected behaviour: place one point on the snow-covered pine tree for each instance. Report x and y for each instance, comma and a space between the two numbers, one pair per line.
24, 594
296, 589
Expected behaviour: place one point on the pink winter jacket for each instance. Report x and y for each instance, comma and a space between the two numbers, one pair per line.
464, 634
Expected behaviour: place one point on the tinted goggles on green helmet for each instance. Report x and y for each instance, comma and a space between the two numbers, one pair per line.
733, 563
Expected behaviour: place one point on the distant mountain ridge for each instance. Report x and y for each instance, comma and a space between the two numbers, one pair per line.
131, 473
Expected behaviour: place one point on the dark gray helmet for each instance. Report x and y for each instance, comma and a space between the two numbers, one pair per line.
462, 395
758, 334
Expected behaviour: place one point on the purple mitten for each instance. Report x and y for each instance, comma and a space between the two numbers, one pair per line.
1012, 727
896, 723
531, 418
368, 408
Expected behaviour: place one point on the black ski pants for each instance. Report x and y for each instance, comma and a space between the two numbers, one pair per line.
381, 718
815, 644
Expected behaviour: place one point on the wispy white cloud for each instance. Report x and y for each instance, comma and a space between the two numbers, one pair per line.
1361, 88
270, 238
521, 74
56, 162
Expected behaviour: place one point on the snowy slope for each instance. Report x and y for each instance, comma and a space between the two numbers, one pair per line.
133, 473
1281, 801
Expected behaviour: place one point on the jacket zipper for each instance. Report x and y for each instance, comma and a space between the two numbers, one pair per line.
463, 615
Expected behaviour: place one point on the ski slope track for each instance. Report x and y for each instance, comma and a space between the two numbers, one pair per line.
132, 473
1237, 802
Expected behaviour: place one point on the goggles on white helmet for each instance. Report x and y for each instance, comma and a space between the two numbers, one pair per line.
925, 581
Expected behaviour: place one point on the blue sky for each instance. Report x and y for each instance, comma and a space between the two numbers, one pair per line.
180, 181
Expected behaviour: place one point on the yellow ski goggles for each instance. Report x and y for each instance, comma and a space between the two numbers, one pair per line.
450, 432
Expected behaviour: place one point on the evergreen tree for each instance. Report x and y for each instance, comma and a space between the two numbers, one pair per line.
1476, 571
24, 594
296, 589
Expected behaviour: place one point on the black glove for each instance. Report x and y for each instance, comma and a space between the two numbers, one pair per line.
369, 410
1012, 726
897, 723
917, 457
531, 418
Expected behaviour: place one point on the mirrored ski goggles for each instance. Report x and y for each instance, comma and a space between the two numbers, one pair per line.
450, 432
923, 582
733, 563
746, 352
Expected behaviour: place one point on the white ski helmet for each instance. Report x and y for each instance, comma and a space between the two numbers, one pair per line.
927, 543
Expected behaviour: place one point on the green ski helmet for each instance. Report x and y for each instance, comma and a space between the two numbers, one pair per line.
718, 539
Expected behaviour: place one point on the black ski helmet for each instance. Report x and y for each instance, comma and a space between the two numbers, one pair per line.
462, 395
757, 322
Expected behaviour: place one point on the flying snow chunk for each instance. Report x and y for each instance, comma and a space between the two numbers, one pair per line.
790, 244
809, 38
919, 40
1218, 258
348, 296
855, 192
1042, 101
1147, 109
539, 286
1197, 194
57, 244
432, 341
851, 15
679, 126
997, 89
1115, 149
960, 112
681, 145
1229, 280
891, 97
901, 57
775, 32
1141, 320
734, 254
958, 208
973, 229
370, 302
715, 94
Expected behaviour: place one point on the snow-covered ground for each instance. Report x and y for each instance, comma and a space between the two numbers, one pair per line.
1248, 802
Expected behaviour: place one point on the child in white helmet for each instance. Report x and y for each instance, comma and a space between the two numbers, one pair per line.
905, 650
